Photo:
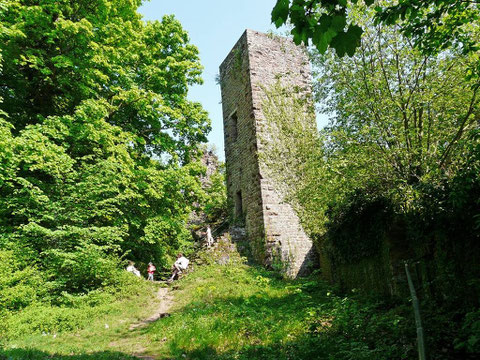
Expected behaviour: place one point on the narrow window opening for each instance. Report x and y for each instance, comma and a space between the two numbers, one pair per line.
234, 126
238, 205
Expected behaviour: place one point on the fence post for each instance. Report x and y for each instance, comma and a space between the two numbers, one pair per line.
418, 319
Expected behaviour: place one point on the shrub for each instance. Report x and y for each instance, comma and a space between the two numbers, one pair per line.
86, 268
20, 285
357, 225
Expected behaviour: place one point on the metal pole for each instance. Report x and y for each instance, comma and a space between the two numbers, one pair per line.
418, 319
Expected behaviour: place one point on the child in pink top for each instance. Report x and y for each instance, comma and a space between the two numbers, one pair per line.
151, 269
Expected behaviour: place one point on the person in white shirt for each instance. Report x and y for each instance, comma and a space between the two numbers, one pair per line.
209, 237
131, 268
180, 265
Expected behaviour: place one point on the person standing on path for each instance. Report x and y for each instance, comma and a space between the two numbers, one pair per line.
180, 265
209, 237
151, 270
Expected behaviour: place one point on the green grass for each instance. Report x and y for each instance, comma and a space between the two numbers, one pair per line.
233, 312
242, 312
225, 311
81, 331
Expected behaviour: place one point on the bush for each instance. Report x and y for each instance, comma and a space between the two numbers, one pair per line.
356, 227
469, 336
86, 268
20, 285
71, 312
357, 330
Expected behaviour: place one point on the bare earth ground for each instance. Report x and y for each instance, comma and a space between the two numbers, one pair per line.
165, 301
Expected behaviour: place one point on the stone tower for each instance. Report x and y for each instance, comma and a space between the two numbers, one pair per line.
272, 227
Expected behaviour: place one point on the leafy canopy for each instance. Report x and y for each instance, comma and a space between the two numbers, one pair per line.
399, 118
433, 24
57, 54
92, 96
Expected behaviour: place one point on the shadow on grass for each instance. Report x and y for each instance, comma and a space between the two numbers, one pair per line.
279, 319
302, 294
32, 354
261, 320
303, 348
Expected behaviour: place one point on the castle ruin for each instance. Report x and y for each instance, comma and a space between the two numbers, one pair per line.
272, 227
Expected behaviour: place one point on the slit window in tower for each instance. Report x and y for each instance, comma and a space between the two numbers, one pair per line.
238, 205
234, 126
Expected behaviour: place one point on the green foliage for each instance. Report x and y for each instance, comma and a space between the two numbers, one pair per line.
94, 189
71, 51
20, 284
434, 25
98, 148
86, 268
215, 205
357, 226
468, 338
356, 330
387, 133
73, 312
235, 311
325, 23
293, 153
247, 313
394, 176
413, 112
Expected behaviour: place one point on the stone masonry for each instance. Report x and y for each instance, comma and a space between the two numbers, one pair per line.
273, 229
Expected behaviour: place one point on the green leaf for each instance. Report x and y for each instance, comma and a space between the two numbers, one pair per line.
355, 31
325, 22
339, 22
280, 12
347, 42
297, 38
321, 39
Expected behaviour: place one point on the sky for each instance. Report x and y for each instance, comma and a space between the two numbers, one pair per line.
214, 26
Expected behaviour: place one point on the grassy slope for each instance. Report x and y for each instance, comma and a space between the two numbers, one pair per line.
228, 312
233, 312
97, 326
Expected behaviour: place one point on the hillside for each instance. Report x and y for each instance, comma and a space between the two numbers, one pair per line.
232, 311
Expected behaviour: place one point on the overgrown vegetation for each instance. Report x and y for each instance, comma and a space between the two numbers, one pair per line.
433, 25
236, 311
98, 155
247, 313
100, 163
393, 177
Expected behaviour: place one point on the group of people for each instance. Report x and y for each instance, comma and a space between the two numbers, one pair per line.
180, 265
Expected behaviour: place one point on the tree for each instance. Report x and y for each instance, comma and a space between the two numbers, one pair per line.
97, 138
399, 118
58, 54
413, 111
433, 24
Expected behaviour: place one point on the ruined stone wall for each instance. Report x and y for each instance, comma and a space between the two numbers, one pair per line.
256, 62
242, 171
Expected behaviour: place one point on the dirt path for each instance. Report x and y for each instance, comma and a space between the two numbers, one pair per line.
165, 303
135, 341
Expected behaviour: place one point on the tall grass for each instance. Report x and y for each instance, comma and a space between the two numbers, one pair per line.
234, 311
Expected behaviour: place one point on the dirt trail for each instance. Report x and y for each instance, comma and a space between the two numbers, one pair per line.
136, 342
165, 300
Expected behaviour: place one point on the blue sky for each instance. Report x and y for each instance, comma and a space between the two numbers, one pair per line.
214, 27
